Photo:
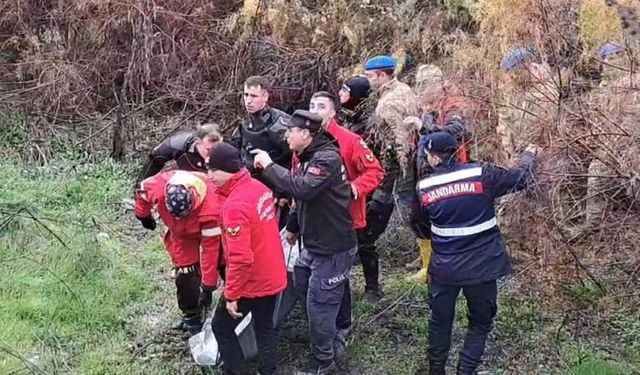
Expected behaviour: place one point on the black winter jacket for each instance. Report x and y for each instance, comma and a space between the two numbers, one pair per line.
322, 194
180, 147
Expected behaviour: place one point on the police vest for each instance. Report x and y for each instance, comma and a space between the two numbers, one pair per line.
265, 132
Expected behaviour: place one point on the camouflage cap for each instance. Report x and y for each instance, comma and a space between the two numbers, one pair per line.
178, 200
428, 74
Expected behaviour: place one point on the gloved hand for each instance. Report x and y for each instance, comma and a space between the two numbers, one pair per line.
205, 299
147, 222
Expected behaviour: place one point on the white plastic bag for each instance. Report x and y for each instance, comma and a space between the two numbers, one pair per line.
291, 252
203, 345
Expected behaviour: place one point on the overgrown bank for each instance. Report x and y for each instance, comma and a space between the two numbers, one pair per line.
84, 290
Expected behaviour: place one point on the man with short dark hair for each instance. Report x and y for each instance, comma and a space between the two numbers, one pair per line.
189, 149
322, 221
254, 261
457, 211
264, 128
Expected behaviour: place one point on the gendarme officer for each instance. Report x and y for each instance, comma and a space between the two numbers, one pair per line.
457, 211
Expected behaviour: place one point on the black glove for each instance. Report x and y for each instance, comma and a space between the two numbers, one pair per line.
148, 222
205, 299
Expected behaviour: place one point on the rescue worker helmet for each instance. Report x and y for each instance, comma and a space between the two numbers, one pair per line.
178, 200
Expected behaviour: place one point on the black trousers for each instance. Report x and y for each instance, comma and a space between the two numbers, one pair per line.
482, 307
378, 216
223, 326
188, 290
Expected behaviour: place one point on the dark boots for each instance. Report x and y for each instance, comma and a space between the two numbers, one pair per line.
370, 267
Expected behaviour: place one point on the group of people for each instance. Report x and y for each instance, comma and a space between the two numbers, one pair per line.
328, 178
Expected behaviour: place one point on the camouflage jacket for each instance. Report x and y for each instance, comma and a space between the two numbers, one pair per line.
522, 116
397, 102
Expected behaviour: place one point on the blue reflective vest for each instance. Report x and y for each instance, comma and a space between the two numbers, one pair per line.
457, 204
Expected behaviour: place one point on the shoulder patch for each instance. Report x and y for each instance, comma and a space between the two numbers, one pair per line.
315, 171
369, 156
233, 231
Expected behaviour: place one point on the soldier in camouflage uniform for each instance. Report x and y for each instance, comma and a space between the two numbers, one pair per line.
396, 101
518, 118
605, 169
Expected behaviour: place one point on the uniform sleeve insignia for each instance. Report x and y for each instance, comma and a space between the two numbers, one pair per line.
233, 232
315, 171
369, 156
363, 144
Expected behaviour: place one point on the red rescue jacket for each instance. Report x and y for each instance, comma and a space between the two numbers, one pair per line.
186, 235
363, 169
252, 247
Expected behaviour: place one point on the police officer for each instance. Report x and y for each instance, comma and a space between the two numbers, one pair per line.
263, 129
457, 211
264, 126
322, 220
187, 148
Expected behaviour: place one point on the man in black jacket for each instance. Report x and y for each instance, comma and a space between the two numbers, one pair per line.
188, 149
264, 129
322, 221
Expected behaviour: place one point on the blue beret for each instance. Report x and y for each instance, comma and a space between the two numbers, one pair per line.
516, 57
609, 49
439, 142
380, 62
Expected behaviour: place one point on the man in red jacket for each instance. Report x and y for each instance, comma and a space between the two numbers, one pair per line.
188, 205
255, 268
364, 173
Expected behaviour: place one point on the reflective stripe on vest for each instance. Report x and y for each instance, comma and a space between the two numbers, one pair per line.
211, 232
464, 231
449, 177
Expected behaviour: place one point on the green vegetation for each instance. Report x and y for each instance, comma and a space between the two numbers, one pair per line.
70, 282
83, 291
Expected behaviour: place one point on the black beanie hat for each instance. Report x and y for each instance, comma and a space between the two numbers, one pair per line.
358, 88
224, 157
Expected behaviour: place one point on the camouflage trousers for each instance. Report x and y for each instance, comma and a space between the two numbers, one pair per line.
512, 137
